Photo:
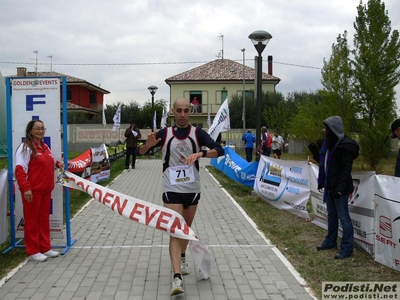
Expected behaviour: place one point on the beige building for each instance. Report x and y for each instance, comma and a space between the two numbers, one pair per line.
214, 82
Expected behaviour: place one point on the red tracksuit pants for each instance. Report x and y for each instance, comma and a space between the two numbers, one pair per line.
37, 223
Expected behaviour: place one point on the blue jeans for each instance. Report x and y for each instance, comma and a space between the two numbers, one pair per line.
338, 210
249, 154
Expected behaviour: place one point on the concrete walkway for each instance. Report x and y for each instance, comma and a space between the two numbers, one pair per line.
115, 258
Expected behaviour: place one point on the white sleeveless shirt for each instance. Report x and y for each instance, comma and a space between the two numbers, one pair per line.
175, 152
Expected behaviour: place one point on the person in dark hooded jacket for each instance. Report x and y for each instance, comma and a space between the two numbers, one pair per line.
335, 159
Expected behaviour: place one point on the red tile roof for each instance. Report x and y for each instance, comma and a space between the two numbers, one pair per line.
219, 70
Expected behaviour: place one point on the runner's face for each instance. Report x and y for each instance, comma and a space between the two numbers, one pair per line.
182, 113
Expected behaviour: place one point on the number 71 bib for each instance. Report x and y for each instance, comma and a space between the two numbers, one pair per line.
181, 174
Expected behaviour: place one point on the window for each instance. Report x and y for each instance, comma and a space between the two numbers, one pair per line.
224, 95
92, 97
197, 104
69, 94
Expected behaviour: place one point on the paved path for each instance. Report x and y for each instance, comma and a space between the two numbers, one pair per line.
115, 258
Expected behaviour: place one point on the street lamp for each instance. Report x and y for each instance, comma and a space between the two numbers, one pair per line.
152, 89
260, 40
244, 94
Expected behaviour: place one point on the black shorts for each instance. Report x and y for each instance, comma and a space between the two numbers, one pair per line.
187, 199
277, 152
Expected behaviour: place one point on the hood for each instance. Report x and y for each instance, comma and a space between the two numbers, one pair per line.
335, 123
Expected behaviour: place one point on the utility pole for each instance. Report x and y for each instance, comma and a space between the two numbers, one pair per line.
36, 51
51, 62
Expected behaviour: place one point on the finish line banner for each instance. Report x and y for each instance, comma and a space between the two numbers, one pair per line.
143, 212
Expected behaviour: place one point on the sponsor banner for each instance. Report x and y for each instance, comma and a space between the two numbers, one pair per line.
100, 167
236, 167
284, 184
361, 207
143, 212
361, 290
79, 164
38, 98
387, 221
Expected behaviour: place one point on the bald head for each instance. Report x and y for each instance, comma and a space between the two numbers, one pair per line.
181, 111
180, 102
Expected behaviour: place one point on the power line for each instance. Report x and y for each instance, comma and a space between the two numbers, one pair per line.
141, 64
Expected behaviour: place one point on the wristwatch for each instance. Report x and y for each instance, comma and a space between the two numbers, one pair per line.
204, 153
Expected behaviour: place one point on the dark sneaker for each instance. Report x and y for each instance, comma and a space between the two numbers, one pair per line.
324, 247
126, 168
343, 255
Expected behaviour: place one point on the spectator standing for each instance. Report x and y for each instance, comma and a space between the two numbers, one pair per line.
334, 177
132, 134
249, 140
34, 172
181, 147
277, 145
195, 104
396, 134
265, 143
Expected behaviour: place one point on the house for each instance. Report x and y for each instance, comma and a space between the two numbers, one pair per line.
214, 82
81, 95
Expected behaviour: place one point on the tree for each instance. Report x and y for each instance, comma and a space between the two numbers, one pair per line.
310, 111
376, 73
337, 81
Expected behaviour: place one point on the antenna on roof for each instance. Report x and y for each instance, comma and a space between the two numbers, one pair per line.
51, 62
221, 53
36, 51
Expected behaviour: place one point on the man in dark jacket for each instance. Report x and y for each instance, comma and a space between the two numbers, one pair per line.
396, 134
335, 164
132, 135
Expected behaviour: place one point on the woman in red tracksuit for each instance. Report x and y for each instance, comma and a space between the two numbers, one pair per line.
34, 171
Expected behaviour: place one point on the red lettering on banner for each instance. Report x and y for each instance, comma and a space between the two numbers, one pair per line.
135, 211
397, 262
149, 216
178, 225
117, 202
161, 220
108, 197
99, 192
385, 241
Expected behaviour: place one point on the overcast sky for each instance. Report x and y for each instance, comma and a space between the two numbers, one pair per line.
126, 46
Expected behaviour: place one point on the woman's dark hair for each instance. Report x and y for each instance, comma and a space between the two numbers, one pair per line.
28, 143
330, 137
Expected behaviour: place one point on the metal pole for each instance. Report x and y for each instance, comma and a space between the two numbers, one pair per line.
244, 94
152, 117
259, 98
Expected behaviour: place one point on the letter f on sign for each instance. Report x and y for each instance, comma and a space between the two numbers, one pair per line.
30, 101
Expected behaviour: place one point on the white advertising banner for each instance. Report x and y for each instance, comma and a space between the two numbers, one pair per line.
361, 207
38, 98
100, 167
284, 184
143, 212
387, 221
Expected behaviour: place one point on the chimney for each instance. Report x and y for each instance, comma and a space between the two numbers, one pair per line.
270, 64
21, 71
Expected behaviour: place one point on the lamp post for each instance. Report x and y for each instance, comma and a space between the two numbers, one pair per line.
260, 40
152, 89
244, 94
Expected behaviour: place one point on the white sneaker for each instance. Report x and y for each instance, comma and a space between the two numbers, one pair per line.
177, 286
52, 253
38, 257
184, 268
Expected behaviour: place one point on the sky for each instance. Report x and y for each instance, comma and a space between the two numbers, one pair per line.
126, 46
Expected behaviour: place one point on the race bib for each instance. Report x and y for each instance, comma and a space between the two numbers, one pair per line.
181, 174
